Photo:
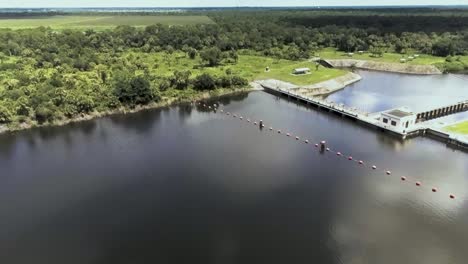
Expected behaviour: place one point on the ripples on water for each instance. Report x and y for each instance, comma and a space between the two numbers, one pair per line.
185, 185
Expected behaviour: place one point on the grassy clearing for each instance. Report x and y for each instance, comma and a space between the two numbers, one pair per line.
460, 128
248, 66
101, 22
423, 59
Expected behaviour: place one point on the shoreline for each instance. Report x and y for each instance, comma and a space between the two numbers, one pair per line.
4, 129
317, 89
384, 66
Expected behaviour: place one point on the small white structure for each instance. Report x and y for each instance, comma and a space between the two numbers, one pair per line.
398, 119
361, 52
402, 60
301, 71
350, 54
410, 58
416, 55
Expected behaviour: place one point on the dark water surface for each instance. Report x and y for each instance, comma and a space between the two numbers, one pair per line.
181, 185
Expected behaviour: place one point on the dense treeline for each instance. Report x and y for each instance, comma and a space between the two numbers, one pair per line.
47, 75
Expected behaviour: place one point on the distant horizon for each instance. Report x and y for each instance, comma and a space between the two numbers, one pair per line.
246, 6
224, 4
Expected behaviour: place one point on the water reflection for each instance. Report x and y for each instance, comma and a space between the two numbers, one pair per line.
180, 185
378, 91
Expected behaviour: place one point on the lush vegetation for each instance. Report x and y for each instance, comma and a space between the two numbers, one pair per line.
48, 74
460, 128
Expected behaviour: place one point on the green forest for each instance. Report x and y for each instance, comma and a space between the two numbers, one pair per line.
48, 75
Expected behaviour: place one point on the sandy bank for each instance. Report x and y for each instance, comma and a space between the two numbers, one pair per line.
321, 88
385, 66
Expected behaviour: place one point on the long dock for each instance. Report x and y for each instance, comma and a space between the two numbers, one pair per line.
370, 119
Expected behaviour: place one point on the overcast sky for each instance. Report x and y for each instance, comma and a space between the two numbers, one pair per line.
202, 3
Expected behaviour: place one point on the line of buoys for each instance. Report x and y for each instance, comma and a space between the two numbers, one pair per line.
322, 143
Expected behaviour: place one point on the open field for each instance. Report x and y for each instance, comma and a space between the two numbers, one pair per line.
423, 59
248, 66
101, 22
460, 128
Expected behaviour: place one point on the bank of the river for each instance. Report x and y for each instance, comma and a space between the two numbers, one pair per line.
317, 89
165, 102
383, 66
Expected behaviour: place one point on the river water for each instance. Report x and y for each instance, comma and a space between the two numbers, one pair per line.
379, 91
185, 185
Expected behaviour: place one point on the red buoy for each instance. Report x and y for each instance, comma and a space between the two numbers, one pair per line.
389, 172
350, 158
452, 196
418, 183
434, 189
403, 178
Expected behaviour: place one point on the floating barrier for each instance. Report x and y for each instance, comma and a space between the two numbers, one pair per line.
322, 144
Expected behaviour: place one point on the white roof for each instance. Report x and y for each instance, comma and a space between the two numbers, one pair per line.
302, 69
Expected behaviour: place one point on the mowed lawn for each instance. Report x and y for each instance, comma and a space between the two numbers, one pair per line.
423, 59
460, 128
101, 22
248, 66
